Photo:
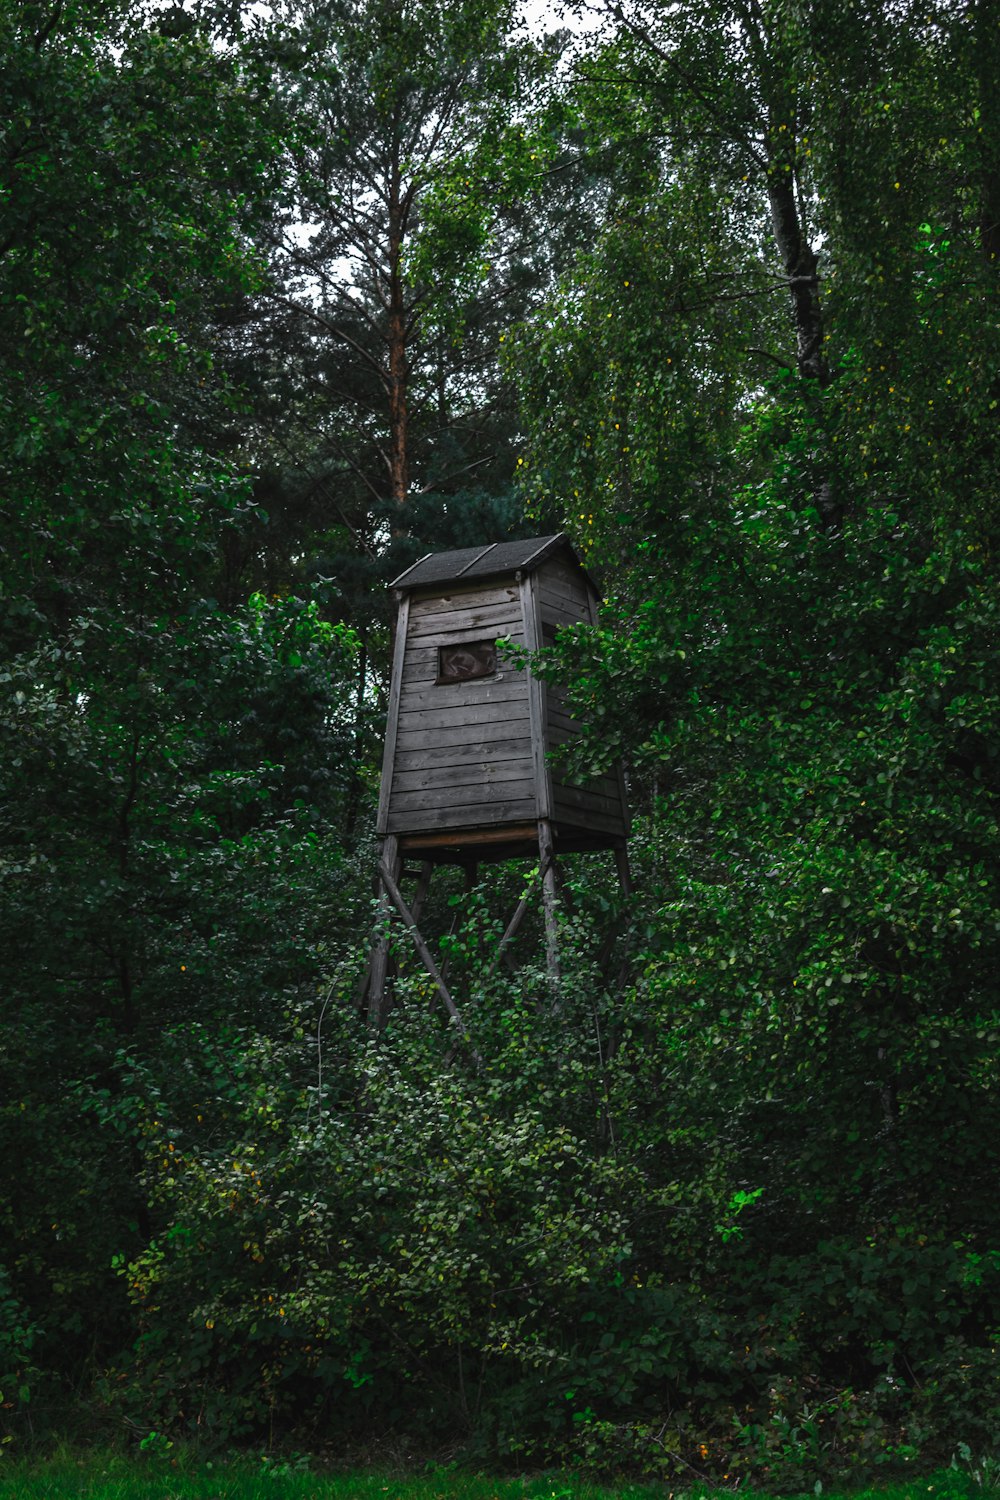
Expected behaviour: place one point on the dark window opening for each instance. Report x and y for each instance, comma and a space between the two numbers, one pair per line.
465, 662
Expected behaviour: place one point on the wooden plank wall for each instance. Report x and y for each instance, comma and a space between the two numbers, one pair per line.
598, 804
462, 756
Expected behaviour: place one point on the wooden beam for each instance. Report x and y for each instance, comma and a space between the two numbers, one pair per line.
512, 833
475, 774
478, 596
380, 957
425, 953
536, 697
624, 873
550, 903
483, 700
520, 912
463, 757
412, 819
392, 720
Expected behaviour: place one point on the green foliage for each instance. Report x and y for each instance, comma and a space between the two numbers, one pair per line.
165, 764
398, 1233
730, 1212
796, 661
184, 1475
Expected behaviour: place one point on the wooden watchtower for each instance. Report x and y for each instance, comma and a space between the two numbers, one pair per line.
465, 775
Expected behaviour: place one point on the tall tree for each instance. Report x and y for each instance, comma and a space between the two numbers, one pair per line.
402, 135
800, 679
152, 745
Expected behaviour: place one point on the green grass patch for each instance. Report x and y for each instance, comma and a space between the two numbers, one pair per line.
103, 1476
115, 1477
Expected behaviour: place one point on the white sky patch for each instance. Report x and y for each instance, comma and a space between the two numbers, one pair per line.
579, 16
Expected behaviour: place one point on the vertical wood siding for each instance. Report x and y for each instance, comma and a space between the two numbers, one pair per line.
462, 755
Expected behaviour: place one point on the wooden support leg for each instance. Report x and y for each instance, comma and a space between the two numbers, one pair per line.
550, 901
392, 890
380, 958
510, 933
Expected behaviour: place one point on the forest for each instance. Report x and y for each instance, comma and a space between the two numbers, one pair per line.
290, 296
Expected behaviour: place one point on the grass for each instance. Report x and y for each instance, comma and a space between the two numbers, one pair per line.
114, 1477
67, 1475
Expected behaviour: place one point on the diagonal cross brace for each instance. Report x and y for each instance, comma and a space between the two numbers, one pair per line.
516, 919
395, 896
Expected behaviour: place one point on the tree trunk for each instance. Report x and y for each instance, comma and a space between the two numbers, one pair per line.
802, 271
799, 261
397, 382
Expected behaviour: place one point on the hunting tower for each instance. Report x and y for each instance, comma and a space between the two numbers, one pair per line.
466, 776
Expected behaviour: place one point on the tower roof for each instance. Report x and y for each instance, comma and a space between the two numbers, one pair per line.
482, 562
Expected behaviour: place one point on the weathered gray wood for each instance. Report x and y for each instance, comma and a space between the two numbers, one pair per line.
570, 607
602, 789
487, 738
585, 799
464, 756
589, 795
425, 954
559, 616
536, 695
482, 794
480, 597
487, 725
546, 853
557, 580
558, 575
422, 666
485, 720
485, 838
443, 639
588, 820
380, 958
465, 805
422, 649
452, 697
462, 816
624, 873
490, 728
476, 774
561, 596
594, 796
588, 832
469, 758
451, 734
510, 932
584, 806
561, 733
559, 719
580, 813
500, 621
565, 574
392, 717
490, 619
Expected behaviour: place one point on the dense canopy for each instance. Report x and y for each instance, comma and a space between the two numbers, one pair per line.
289, 300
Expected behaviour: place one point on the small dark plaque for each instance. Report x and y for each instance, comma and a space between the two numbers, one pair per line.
469, 660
